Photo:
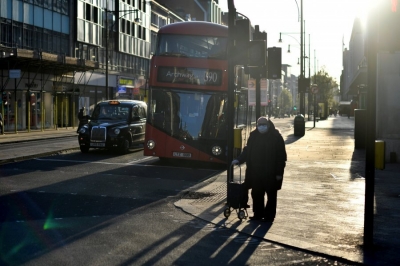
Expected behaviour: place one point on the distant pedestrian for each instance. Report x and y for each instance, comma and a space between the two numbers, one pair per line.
265, 157
82, 118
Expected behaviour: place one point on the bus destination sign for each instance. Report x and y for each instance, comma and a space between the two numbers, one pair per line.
190, 75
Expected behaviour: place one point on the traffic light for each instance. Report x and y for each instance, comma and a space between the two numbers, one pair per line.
257, 35
242, 38
295, 108
304, 84
274, 62
257, 53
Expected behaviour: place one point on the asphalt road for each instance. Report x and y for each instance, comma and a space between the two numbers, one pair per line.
103, 208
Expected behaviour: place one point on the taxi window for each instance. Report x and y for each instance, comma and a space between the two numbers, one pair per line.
135, 111
142, 112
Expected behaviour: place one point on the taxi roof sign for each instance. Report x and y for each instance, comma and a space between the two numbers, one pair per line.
113, 102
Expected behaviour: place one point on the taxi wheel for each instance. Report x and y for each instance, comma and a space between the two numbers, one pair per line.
124, 146
84, 149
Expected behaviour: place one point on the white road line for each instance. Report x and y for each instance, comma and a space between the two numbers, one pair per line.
143, 159
79, 161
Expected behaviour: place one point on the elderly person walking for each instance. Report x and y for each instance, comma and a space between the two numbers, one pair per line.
265, 157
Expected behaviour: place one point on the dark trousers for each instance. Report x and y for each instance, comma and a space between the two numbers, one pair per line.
267, 211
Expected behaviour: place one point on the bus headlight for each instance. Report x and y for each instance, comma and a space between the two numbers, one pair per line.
216, 150
117, 131
151, 144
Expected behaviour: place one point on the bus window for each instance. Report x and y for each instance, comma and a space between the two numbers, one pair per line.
215, 123
193, 115
192, 46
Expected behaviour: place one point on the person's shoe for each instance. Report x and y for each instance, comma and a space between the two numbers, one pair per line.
255, 218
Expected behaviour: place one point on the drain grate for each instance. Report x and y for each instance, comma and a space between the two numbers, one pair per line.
196, 195
216, 195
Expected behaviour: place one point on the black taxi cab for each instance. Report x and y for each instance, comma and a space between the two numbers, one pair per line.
114, 124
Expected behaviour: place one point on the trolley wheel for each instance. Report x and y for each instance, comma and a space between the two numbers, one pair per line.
227, 212
241, 214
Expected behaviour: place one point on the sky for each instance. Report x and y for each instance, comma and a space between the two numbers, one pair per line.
328, 26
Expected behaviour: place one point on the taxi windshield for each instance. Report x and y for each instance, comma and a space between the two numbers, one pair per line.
110, 112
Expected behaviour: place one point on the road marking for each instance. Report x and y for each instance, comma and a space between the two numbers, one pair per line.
143, 159
81, 161
333, 176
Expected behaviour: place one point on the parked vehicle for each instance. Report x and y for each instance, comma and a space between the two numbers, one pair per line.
114, 124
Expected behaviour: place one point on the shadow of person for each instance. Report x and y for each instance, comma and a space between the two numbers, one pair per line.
251, 235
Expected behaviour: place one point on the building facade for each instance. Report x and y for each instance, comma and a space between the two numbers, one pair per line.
35, 47
116, 34
57, 56
354, 87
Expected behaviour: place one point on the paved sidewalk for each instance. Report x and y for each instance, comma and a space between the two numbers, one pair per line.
12, 151
20, 136
321, 204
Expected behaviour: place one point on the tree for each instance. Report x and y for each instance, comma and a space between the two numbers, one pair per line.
285, 101
326, 85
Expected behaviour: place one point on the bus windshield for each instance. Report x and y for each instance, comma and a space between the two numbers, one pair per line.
192, 46
189, 115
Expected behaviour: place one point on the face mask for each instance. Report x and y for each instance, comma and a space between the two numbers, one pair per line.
262, 129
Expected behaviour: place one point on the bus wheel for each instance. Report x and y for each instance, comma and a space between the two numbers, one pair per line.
84, 149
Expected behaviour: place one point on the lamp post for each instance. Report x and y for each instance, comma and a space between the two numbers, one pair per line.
301, 77
303, 57
137, 20
301, 83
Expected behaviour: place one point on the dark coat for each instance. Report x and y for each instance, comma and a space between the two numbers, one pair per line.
81, 114
262, 166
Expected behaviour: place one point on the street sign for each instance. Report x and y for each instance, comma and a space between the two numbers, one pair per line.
314, 89
264, 92
14, 73
251, 91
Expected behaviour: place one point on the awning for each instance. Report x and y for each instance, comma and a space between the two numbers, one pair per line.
359, 81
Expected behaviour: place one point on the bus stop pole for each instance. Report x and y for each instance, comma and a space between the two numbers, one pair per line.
258, 93
371, 130
231, 88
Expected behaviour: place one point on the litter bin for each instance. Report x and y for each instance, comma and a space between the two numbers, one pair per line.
360, 127
299, 125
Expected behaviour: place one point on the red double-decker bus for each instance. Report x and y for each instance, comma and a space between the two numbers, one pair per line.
187, 99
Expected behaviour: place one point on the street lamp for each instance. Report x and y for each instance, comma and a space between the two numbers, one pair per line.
301, 78
302, 89
301, 44
137, 20
301, 61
